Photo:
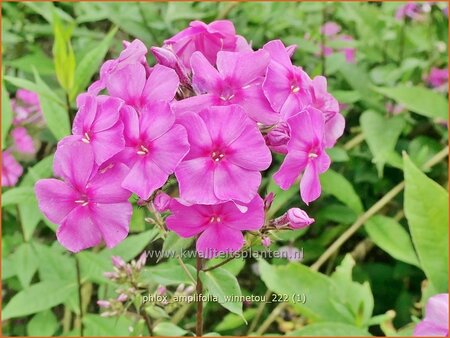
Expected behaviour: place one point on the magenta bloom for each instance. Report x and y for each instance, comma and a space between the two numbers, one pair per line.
89, 205
330, 28
131, 84
226, 157
154, 146
26, 106
207, 39
97, 123
11, 170
437, 77
220, 226
306, 153
23, 142
435, 322
410, 10
134, 53
237, 80
287, 87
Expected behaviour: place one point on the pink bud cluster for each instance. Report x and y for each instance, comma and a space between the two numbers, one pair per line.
210, 113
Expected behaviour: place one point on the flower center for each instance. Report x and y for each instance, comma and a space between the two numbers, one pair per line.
312, 155
86, 138
83, 201
295, 88
217, 156
215, 219
142, 150
227, 94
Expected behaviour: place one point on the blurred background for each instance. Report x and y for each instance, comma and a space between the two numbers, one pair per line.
386, 63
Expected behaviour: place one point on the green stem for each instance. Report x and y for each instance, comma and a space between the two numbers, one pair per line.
80, 300
199, 290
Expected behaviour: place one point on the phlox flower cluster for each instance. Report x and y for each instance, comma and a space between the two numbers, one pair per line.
210, 113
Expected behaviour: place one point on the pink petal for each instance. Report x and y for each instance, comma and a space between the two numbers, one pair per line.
78, 231
23, 141
437, 310
144, 178
161, 85
112, 221
232, 182
107, 113
105, 187
11, 170
131, 130
306, 128
334, 128
128, 83
196, 180
249, 150
155, 120
168, 150
74, 162
252, 219
187, 221
87, 110
277, 85
219, 240
243, 67
257, 106
198, 135
56, 199
193, 104
294, 163
310, 188
429, 329
107, 143
205, 77
278, 53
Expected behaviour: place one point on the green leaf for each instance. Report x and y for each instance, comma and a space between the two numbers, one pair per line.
232, 321
57, 117
42, 169
133, 245
55, 264
381, 135
223, 285
168, 273
36, 298
90, 64
109, 327
390, 236
26, 263
42, 324
294, 279
7, 115
36, 59
168, 329
18, 195
337, 185
330, 330
63, 55
419, 100
426, 209
175, 244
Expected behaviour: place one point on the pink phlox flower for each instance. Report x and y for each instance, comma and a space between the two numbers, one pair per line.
154, 146
237, 80
435, 322
23, 142
219, 226
131, 84
287, 87
306, 154
11, 169
208, 39
89, 205
226, 156
26, 107
97, 124
134, 53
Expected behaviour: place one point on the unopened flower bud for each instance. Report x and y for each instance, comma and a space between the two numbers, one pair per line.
268, 200
122, 297
189, 290
111, 275
118, 262
103, 303
180, 288
278, 138
166, 57
298, 218
162, 201
161, 290
265, 241
141, 261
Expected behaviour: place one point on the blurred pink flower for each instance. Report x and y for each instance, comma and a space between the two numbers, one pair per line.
23, 142
306, 153
220, 226
437, 77
410, 10
89, 205
226, 156
436, 321
26, 106
11, 170
330, 28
